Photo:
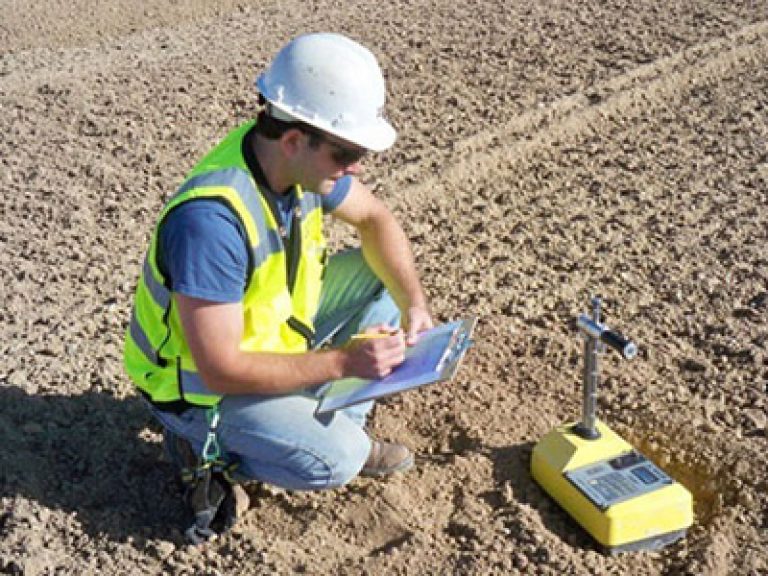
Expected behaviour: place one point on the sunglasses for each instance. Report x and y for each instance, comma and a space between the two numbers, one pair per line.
342, 155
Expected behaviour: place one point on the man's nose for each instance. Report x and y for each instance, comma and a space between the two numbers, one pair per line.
354, 169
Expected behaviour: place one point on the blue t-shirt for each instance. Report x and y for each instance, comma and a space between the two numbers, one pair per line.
202, 245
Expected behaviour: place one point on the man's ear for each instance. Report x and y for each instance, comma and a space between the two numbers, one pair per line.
291, 142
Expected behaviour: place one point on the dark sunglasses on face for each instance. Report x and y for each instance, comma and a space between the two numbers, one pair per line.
342, 155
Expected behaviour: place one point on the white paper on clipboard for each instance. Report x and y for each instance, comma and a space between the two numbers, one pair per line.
434, 358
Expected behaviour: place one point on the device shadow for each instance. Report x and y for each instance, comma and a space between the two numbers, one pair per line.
512, 474
91, 454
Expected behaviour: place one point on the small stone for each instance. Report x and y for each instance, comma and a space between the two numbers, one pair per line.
757, 418
520, 561
161, 549
693, 365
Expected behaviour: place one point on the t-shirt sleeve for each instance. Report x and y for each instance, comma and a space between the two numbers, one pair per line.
337, 195
202, 251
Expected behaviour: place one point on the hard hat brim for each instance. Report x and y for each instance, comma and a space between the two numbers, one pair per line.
376, 137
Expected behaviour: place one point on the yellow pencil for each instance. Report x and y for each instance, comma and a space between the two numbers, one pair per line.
372, 335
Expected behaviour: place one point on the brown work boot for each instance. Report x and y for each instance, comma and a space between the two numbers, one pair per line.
386, 458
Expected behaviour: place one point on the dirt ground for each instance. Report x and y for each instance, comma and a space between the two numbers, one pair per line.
548, 151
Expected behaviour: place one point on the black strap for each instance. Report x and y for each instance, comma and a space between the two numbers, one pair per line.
176, 406
213, 504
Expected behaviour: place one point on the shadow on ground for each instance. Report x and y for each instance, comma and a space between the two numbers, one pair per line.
512, 468
86, 454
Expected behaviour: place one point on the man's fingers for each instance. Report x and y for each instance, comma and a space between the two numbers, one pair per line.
419, 320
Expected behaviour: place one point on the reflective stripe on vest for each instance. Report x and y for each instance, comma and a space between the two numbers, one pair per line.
156, 354
269, 239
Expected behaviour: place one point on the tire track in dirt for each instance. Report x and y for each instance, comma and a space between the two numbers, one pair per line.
68, 23
568, 118
227, 28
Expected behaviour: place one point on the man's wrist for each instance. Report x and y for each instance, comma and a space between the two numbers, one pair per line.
418, 305
336, 361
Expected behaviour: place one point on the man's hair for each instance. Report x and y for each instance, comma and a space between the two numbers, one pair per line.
273, 128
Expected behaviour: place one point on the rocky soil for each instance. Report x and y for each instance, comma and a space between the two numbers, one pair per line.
548, 152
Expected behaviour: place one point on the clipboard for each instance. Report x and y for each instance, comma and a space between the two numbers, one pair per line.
435, 357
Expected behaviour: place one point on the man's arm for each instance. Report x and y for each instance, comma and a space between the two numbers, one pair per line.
388, 252
214, 330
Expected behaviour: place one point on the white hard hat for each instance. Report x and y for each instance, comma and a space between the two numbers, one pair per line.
332, 83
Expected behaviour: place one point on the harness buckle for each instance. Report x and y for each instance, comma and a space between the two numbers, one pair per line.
211, 492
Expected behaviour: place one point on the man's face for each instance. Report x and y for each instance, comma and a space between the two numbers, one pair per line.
326, 159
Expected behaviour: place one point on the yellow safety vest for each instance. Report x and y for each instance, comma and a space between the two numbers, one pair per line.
282, 292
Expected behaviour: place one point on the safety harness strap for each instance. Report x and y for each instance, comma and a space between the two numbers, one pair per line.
210, 488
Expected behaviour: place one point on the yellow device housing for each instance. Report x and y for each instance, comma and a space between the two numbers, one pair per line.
646, 521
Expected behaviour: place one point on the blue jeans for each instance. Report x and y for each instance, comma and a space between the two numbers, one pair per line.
278, 439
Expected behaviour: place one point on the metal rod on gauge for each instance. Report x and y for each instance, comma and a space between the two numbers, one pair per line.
592, 349
596, 338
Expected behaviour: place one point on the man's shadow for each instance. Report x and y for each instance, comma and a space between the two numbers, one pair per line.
91, 454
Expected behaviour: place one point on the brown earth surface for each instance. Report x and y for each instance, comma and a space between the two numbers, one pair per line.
548, 151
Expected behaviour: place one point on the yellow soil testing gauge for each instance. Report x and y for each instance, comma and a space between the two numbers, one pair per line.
618, 495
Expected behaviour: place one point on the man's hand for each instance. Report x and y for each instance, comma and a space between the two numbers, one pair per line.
375, 353
418, 319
